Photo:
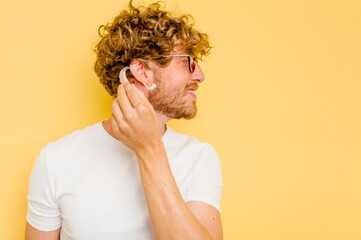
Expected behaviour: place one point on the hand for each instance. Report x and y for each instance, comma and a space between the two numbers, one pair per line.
134, 121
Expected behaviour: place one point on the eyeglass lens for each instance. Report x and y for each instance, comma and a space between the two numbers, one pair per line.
192, 64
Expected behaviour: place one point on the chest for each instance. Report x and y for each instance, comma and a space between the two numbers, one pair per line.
105, 200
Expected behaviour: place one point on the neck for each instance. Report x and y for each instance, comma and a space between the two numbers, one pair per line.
162, 120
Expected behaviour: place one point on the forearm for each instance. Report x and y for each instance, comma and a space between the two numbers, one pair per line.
170, 216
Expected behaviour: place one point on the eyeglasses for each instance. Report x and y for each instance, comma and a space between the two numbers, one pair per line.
192, 61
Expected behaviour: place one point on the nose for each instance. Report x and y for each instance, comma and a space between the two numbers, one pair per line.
197, 75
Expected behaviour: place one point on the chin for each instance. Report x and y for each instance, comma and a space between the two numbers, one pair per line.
177, 112
185, 114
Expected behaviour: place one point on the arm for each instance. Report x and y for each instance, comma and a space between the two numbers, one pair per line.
171, 217
32, 233
208, 216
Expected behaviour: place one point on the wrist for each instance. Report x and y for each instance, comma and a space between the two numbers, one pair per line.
154, 150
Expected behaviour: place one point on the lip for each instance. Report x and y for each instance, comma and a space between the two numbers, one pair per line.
191, 91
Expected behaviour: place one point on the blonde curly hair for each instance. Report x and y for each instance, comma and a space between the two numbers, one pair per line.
145, 33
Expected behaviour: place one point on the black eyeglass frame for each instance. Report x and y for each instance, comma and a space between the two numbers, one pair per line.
189, 60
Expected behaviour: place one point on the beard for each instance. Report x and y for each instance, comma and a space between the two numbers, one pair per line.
172, 102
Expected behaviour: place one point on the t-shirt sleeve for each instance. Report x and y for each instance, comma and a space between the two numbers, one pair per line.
208, 184
43, 210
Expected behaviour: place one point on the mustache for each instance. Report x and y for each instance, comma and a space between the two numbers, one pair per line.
192, 85
195, 85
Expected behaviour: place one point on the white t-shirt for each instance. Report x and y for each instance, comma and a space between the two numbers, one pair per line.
89, 184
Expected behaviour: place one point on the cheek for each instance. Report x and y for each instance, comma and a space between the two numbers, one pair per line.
175, 92
172, 85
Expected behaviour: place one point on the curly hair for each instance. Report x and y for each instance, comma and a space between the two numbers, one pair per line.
145, 33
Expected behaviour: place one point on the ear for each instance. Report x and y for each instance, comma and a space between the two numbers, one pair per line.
145, 73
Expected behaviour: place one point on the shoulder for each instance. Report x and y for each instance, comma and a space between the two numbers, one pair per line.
70, 142
182, 142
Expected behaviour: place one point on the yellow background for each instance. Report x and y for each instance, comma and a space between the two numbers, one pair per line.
281, 104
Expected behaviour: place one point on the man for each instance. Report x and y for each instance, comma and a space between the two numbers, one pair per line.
131, 176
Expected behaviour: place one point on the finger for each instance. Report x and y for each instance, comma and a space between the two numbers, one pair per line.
115, 126
135, 97
123, 100
139, 92
145, 99
116, 111
119, 126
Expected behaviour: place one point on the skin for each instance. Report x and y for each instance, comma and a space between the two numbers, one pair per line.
139, 126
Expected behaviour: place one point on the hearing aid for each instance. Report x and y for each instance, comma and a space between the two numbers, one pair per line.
123, 78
